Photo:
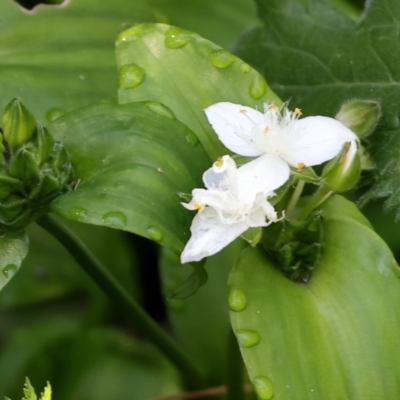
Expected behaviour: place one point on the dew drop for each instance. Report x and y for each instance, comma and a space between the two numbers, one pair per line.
133, 33
263, 387
77, 213
192, 139
244, 67
160, 109
258, 87
130, 76
177, 37
221, 58
176, 304
9, 270
54, 113
248, 337
114, 219
236, 299
154, 234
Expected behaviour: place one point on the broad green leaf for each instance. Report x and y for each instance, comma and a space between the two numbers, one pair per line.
319, 58
186, 73
63, 57
131, 162
13, 249
332, 338
220, 21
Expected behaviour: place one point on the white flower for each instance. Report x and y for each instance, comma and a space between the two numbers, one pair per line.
234, 200
296, 142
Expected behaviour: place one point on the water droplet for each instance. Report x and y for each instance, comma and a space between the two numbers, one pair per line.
236, 299
263, 387
192, 138
130, 76
9, 270
77, 213
176, 304
54, 113
221, 58
258, 87
160, 109
114, 219
154, 234
244, 67
133, 33
177, 37
247, 337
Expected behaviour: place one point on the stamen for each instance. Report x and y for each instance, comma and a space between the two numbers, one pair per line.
219, 163
266, 129
198, 206
274, 108
243, 111
297, 111
300, 166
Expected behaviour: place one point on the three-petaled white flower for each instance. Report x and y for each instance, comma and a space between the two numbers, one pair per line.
234, 200
293, 142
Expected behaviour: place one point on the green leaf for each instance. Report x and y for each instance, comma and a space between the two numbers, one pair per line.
186, 73
331, 338
220, 21
13, 249
46, 395
319, 58
132, 161
29, 391
63, 57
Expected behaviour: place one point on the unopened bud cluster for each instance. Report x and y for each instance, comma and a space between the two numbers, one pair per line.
34, 169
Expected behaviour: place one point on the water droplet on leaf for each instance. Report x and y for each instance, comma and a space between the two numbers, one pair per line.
130, 76
263, 387
154, 234
236, 299
258, 87
160, 109
247, 337
177, 37
9, 270
192, 139
244, 67
133, 33
77, 213
114, 219
221, 58
54, 113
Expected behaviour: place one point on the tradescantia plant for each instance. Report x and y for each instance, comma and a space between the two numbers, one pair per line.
200, 156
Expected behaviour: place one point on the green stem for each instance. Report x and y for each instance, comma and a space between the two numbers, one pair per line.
234, 376
319, 197
295, 197
191, 375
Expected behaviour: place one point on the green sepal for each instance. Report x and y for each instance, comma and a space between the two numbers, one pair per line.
306, 174
8, 185
23, 166
43, 144
18, 124
252, 236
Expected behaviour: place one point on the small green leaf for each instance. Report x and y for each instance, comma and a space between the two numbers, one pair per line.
331, 338
131, 162
13, 249
186, 73
29, 391
46, 395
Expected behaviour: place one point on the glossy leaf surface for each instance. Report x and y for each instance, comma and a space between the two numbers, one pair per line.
186, 73
13, 249
332, 338
131, 162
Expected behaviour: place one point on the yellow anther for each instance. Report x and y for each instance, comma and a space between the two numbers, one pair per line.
297, 111
300, 166
219, 162
243, 111
197, 206
266, 129
274, 108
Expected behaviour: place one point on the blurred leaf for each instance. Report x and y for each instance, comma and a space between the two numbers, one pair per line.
29, 391
186, 73
326, 331
201, 321
132, 162
319, 58
63, 57
13, 249
219, 21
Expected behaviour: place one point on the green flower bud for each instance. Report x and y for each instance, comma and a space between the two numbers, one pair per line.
342, 172
23, 166
18, 124
42, 145
361, 116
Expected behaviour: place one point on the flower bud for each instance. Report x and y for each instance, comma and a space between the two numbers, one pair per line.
342, 172
18, 124
23, 166
42, 144
361, 116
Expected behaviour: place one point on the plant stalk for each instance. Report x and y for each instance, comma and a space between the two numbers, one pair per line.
318, 198
192, 376
295, 197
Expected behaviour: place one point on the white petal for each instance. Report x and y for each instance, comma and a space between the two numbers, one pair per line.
209, 235
233, 124
262, 175
314, 140
222, 178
